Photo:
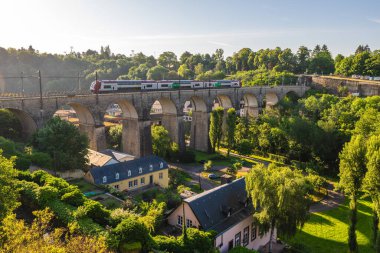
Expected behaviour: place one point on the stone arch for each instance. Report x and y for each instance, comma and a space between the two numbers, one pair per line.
224, 101
292, 94
271, 99
198, 104
172, 121
251, 105
136, 139
28, 124
129, 111
84, 115
87, 125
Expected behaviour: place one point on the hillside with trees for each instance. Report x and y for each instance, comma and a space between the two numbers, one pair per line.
76, 70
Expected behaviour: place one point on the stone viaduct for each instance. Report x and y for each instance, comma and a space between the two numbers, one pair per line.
33, 112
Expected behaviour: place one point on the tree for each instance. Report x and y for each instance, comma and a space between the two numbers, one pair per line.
358, 66
17, 236
8, 195
10, 126
352, 170
64, 143
216, 122
184, 72
168, 60
114, 136
160, 140
157, 73
371, 182
231, 126
281, 195
207, 165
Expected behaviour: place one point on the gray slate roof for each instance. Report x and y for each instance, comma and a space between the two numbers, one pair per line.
212, 207
148, 164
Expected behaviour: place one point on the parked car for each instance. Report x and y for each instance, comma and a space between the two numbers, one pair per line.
212, 176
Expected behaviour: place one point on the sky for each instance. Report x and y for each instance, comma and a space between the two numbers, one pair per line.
198, 26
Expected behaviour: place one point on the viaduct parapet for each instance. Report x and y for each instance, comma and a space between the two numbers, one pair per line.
33, 112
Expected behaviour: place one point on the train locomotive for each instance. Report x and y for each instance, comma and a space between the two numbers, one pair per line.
108, 86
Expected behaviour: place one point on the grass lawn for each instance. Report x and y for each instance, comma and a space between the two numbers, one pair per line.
84, 186
221, 159
108, 201
326, 232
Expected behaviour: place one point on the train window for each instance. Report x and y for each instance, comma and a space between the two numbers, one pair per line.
107, 87
149, 85
164, 85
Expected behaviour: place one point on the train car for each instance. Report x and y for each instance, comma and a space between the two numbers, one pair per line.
107, 86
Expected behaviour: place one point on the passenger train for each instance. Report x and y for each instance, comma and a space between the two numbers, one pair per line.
107, 86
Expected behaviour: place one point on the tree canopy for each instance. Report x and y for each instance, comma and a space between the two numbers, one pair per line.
64, 143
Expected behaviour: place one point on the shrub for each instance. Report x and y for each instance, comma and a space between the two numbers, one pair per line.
74, 198
96, 211
198, 240
131, 230
46, 194
22, 162
244, 147
41, 159
8, 147
207, 166
167, 243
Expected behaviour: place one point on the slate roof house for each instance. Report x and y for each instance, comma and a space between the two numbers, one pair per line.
131, 175
226, 210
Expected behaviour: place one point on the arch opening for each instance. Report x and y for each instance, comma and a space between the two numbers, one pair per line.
27, 123
271, 99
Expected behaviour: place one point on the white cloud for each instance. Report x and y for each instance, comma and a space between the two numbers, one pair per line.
218, 43
375, 20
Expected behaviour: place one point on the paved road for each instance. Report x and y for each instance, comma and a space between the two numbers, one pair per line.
194, 170
333, 200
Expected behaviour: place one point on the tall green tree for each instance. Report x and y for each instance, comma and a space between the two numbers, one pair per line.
216, 123
352, 169
371, 182
168, 60
157, 73
213, 131
160, 140
281, 195
231, 126
64, 143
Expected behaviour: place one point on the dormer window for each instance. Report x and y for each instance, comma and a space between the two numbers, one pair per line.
161, 165
150, 167
117, 176
104, 179
129, 173
140, 170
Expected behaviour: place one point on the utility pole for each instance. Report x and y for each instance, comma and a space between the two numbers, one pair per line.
22, 83
40, 83
79, 88
41, 103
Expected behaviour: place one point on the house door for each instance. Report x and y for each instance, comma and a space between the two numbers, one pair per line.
151, 179
230, 245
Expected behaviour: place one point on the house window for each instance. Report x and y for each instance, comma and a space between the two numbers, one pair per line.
161, 165
142, 180
150, 167
135, 182
246, 236
253, 232
189, 223
117, 176
179, 220
130, 184
160, 175
237, 239
140, 170
129, 173
104, 179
